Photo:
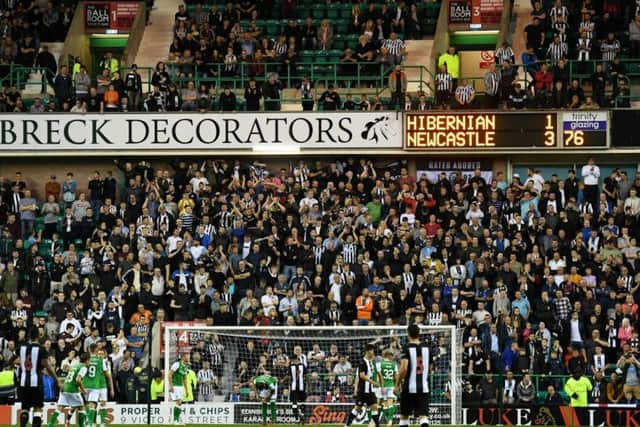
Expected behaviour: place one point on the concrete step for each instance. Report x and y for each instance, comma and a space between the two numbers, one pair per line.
158, 35
418, 54
33, 87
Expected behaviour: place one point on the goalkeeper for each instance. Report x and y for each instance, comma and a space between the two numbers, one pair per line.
267, 387
387, 377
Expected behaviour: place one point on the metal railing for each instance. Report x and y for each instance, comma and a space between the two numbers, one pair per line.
330, 72
18, 75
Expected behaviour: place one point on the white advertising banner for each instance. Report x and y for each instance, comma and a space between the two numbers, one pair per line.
198, 413
90, 132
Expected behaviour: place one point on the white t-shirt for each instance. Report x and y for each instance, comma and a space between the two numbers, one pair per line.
269, 302
590, 174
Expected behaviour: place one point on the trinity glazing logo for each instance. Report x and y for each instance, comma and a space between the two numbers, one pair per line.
378, 130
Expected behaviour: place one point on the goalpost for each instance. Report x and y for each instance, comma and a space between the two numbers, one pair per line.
235, 355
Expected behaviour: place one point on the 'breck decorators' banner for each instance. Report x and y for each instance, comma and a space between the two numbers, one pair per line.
29, 132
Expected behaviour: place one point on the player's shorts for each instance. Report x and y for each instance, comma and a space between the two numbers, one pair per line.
416, 404
298, 396
366, 399
386, 393
267, 393
95, 395
31, 397
73, 400
177, 393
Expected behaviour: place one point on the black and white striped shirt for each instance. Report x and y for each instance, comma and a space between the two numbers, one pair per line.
612, 339
318, 251
434, 318
465, 94
557, 51
628, 282
301, 174
492, 83
209, 230
599, 362
444, 82
297, 371
509, 388
610, 49
599, 388
408, 280
206, 386
504, 54
214, 353
368, 368
280, 48
395, 46
561, 29
345, 274
225, 219
350, 252
587, 27
462, 313
584, 47
417, 379
31, 357
556, 12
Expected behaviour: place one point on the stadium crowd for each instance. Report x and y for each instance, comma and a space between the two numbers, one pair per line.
541, 272
575, 58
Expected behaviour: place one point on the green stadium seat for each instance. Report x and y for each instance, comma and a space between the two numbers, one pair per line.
341, 27
345, 11
333, 11
432, 9
322, 56
318, 11
307, 56
339, 42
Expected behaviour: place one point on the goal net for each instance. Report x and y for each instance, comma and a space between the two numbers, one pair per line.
226, 360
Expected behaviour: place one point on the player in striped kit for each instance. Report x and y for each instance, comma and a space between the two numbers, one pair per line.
33, 359
366, 378
413, 379
71, 393
297, 371
387, 377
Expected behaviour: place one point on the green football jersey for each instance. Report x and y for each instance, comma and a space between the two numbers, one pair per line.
265, 381
70, 385
95, 379
180, 371
388, 370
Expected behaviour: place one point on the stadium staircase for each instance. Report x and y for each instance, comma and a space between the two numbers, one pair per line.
419, 56
158, 34
522, 16
34, 85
